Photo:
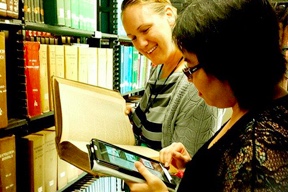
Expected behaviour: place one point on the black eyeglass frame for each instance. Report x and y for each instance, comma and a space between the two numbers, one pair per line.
188, 71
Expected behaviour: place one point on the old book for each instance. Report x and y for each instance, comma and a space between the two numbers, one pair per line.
102, 67
62, 179
8, 164
51, 61
32, 15
109, 68
30, 169
50, 160
83, 60
92, 78
67, 13
71, 62
100, 114
3, 93
36, 11
54, 12
62, 167
3, 8
41, 9
59, 60
12, 9
74, 8
32, 73
44, 88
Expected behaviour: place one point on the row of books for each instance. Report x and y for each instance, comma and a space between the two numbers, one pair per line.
39, 167
134, 69
90, 183
77, 14
80, 63
9, 8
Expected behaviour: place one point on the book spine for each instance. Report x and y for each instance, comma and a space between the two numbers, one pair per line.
3, 92
67, 11
3, 8
74, 6
44, 86
8, 164
32, 73
54, 13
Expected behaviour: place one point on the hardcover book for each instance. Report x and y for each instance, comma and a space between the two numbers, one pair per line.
3, 93
32, 73
8, 164
82, 112
50, 160
30, 163
44, 88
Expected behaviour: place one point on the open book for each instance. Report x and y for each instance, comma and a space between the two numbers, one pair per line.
83, 112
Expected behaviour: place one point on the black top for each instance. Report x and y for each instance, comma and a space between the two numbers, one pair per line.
251, 156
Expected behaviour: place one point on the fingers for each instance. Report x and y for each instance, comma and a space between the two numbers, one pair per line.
153, 183
167, 153
128, 109
175, 154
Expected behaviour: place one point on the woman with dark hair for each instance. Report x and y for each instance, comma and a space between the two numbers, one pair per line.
234, 60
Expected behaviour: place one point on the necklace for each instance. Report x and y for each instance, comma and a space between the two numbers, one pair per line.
153, 88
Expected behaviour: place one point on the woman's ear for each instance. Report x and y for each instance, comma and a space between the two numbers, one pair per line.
170, 16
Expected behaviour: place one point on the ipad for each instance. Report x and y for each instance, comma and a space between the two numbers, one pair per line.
112, 160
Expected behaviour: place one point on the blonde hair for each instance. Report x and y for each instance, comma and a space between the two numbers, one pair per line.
157, 5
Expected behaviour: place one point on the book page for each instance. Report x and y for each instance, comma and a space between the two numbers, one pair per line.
88, 114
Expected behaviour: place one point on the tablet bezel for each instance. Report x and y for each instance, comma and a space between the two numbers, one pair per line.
99, 163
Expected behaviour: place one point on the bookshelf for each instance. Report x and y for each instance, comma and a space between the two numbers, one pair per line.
105, 35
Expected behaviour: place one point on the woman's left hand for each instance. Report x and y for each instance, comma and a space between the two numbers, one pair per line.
152, 184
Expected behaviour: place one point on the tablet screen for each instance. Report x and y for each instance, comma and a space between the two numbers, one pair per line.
126, 159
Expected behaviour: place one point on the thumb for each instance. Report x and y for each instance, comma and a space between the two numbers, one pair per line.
143, 170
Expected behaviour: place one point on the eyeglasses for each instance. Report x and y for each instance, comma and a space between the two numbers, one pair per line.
188, 71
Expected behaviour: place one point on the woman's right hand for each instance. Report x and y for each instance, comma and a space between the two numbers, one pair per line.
175, 154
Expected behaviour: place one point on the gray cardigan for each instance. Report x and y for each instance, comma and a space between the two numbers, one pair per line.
188, 118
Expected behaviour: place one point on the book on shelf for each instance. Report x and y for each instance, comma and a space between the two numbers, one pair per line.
50, 160
32, 78
101, 67
83, 59
41, 11
82, 112
36, 11
8, 164
109, 68
74, 7
92, 66
54, 13
12, 8
51, 62
3, 8
3, 92
71, 62
32, 14
67, 13
59, 61
44, 80
30, 163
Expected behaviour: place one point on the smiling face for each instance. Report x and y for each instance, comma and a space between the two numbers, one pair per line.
150, 32
215, 92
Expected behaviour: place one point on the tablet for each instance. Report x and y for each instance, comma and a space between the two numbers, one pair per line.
112, 160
